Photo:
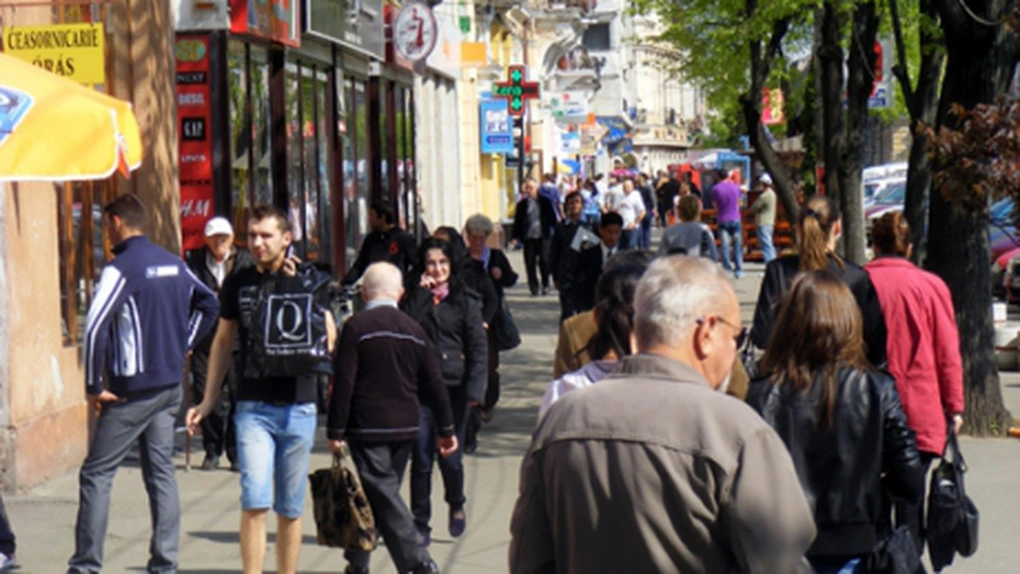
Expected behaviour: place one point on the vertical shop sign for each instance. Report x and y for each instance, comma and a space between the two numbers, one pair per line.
195, 138
497, 134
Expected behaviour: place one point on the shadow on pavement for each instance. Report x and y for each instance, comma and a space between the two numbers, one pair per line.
234, 537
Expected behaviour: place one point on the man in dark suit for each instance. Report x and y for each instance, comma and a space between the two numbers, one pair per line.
566, 250
591, 260
534, 222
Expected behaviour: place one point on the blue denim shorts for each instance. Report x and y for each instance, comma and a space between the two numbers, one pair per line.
274, 444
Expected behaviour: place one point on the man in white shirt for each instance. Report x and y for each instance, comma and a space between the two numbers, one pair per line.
632, 210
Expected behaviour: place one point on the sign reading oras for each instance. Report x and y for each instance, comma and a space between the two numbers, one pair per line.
74, 51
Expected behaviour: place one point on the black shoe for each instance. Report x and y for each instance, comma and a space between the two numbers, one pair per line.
352, 570
211, 462
234, 466
458, 521
427, 567
426, 536
534, 292
545, 290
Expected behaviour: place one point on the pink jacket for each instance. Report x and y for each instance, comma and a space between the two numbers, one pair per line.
923, 346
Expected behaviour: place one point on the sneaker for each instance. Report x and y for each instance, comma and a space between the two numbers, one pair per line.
458, 521
738, 274
427, 567
211, 462
354, 570
6, 561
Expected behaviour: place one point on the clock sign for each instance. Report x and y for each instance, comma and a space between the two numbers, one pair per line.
415, 31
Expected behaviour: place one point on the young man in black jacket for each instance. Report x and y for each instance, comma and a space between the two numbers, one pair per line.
212, 264
384, 369
387, 242
565, 256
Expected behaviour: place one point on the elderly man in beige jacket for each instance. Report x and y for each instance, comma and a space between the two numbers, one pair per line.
653, 469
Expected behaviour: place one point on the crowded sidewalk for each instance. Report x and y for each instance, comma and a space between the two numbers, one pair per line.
44, 517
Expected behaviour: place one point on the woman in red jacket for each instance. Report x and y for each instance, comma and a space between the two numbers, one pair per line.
922, 345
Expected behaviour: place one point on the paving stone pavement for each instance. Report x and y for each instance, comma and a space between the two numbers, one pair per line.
43, 518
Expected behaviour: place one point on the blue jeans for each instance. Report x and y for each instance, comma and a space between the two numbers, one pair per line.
731, 230
274, 445
768, 249
451, 467
629, 239
645, 237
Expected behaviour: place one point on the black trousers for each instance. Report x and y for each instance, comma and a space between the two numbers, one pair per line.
7, 544
536, 254
451, 468
474, 416
911, 515
381, 467
570, 304
218, 432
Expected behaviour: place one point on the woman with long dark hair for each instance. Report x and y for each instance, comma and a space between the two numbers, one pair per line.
614, 315
840, 419
449, 312
817, 234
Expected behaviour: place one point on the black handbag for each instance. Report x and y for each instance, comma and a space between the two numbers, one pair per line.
952, 516
895, 554
505, 331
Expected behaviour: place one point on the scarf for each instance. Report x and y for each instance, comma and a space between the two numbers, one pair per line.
440, 292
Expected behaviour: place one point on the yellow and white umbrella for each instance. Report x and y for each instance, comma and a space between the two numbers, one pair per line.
53, 129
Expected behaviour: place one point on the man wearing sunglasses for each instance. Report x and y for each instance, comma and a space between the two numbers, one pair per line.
695, 479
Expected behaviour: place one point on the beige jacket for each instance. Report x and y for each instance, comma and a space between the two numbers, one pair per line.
651, 470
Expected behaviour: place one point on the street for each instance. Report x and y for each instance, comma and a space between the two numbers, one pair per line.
43, 518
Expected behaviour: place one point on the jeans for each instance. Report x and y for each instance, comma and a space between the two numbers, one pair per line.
768, 250
451, 467
148, 418
728, 230
645, 233
381, 468
274, 446
7, 542
629, 239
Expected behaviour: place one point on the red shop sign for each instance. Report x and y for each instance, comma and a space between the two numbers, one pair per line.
276, 20
194, 115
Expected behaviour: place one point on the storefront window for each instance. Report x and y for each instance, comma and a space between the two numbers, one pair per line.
350, 180
385, 153
259, 70
240, 130
322, 203
82, 250
295, 180
361, 145
310, 142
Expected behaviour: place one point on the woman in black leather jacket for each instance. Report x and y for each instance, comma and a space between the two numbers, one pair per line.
818, 231
841, 420
449, 312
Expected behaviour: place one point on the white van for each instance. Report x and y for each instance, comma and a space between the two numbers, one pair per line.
876, 178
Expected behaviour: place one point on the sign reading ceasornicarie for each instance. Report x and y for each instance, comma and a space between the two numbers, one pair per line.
75, 51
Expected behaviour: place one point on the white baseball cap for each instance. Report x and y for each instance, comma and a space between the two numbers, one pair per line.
765, 178
218, 226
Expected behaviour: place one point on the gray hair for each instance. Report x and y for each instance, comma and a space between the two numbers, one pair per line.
673, 294
478, 223
382, 279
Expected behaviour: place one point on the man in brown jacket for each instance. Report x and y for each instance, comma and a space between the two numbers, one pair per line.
652, 469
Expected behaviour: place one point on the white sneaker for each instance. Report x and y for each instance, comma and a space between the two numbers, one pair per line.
7, 561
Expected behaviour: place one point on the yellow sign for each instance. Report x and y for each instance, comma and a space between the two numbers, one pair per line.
74, 51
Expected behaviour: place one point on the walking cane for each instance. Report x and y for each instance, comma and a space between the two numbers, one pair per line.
187, 407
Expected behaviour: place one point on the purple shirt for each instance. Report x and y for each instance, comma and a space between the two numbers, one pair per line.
726, 196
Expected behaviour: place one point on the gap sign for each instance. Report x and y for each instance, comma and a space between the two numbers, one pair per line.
516, 90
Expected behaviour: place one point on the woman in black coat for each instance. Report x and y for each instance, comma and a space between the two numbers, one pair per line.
818, 231
449, 312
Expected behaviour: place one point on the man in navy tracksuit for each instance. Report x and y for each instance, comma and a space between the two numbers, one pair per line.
147, 312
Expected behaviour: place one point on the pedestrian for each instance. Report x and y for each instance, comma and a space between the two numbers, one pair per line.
591, 214
564, 255
591, 260
385, 242
648, 199
726, 197
666, 189
632, 210
689, 236
148, 311
923, 348
534, 222
764, 210
614, 318
840, 419
551, 191
448, 312
383, 365
610, 484
491, 263
817, 234
470, 273
275, 415
8, 544
212, 264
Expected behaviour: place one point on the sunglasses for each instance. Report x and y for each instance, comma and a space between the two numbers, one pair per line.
740, 338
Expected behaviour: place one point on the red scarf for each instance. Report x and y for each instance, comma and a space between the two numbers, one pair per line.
440, 292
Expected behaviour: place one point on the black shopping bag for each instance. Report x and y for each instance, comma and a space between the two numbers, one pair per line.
952, 516
343, 516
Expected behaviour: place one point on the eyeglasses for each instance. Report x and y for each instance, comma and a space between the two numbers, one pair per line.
741, 335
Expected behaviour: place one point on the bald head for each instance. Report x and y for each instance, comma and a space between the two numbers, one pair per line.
382, 281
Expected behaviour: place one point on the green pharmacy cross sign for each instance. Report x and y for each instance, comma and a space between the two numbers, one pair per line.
516, 90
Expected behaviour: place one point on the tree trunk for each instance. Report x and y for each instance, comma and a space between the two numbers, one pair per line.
980, 62
830, 55
861, 79
924, 110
